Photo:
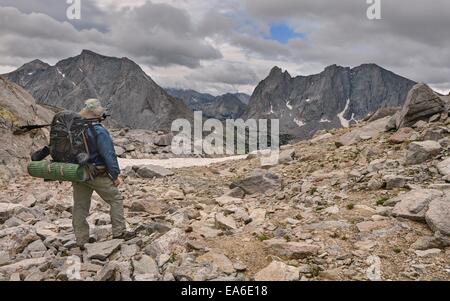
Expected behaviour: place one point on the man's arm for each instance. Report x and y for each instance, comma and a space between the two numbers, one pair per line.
107, 152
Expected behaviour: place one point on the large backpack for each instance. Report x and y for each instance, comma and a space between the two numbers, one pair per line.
68, 139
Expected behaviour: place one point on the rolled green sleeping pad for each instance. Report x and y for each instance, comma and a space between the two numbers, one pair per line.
58, 171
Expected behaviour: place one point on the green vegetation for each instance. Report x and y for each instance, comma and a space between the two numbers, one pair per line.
313, 190
382, 200
350, 206
262, 237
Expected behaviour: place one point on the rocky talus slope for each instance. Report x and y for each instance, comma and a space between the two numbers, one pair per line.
363, 203
17, 107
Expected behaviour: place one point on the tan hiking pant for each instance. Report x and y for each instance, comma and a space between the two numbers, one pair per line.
82, 193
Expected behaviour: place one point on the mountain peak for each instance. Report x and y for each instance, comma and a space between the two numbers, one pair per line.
88, 52
38, 62
134, 99
276, 70
332, 67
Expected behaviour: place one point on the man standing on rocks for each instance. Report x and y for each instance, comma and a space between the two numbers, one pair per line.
105, 182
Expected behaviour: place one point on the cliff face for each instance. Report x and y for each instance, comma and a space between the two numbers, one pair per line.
334, 98
131, 96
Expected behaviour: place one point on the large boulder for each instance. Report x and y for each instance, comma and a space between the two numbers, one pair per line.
438, 215
260, 181
370, 131
414, 204
419, 152
421, 104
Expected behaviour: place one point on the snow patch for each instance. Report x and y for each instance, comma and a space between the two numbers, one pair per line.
344, 122
308, 100
288, 105
324, 120
31, 73
59, 71
299, 122
80, 70
271, 110
178, 162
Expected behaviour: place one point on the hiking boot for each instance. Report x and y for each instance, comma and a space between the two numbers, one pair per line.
127, 235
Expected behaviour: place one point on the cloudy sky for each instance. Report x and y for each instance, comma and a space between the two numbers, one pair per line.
219, 46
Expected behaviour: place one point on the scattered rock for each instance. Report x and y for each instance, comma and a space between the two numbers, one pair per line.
428, 253
120, 151
394, 181
438, 215
236, 192
7, 210
370, 226
167, 243
438, 241
225, 222
278, 271
146, 266
370, 131
222, 262
174, 195
37, 246
152, 171
444, 167
164, 140
401, 136
108, 273
291, 250
259, 181
414, 204
25, 264
102, 250
420, 152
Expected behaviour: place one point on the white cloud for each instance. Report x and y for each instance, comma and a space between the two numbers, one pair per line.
220, 46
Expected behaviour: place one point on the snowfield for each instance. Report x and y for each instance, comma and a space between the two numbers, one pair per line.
177, 162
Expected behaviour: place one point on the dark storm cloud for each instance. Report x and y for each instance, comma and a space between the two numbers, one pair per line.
161, 35
153, 34
219, 38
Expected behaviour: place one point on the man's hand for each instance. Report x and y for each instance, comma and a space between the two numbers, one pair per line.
117, 182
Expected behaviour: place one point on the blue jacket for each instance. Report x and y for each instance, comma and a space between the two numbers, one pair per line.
101, 150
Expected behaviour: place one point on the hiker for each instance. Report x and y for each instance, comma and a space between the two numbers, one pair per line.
105, 180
